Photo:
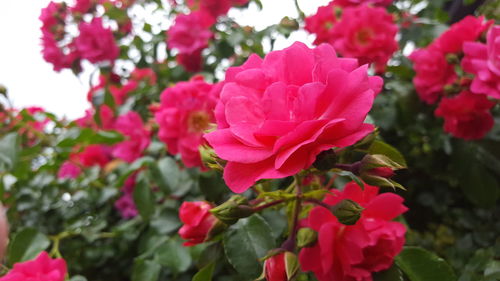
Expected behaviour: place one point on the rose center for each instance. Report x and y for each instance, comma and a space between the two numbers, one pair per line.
198, 121
364, 36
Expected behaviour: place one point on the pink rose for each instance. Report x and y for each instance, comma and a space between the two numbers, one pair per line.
353, 252
366, 33
125, 204
347, 3
276, 114
214, 7
322, 23
83, 6
69, 170
51, 15
468, 29
190, 32
42, 268
484, 62
186, 111
96, 43
198, 222
94, 154
144, 74
137, 137
466, 116
433, 72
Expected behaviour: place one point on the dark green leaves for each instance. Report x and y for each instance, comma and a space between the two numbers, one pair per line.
9, 150
146, 270
205, 274
174, 256
26, 245
421, 265
143, 198
248, 241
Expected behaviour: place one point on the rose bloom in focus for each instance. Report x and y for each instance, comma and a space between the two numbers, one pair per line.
276, 114
353, 252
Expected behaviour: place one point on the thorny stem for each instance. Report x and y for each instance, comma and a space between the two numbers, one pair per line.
268, 205
319, 203
290, 244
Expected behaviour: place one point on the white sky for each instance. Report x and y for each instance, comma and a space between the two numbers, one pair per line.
32, 82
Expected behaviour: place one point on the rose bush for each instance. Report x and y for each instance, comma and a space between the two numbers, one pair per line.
187, 105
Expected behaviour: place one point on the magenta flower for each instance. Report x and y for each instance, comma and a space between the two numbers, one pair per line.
96, 43
276, 114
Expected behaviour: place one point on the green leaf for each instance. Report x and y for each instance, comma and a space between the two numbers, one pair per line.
9, 150
205, 274
391, 274
380, 147
26, 245
421, 265
146, 270
246, 242
143, 198
78, 278
174, 256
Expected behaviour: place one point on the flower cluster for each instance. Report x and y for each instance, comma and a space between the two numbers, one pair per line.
191, 32
356, 30
462, 95
272, 118
95, 42
353, 252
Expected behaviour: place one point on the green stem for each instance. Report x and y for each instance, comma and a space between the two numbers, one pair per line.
302, 15
268, 205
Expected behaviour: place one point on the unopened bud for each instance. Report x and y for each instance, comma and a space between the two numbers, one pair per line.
289, 23
378, 169
452, 59
326, 160
280, 266
306, 237
347, 211
232, 210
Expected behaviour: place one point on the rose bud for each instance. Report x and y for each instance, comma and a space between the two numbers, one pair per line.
199, 224
347, 211
378, 169
280, 267
232, 210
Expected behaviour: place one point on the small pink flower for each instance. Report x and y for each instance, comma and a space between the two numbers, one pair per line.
186, 111
125, 204
276, 114
214, 7
484, 62
42, 268
51, 15
433, 72
69, 170
190, 32
96, 43
347, 3
366, 33
198, 222
322, 22
92, 155
466, 116
83, 6
468, 29
353, 252
137, 137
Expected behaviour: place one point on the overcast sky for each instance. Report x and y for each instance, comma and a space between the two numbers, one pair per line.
32, 82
